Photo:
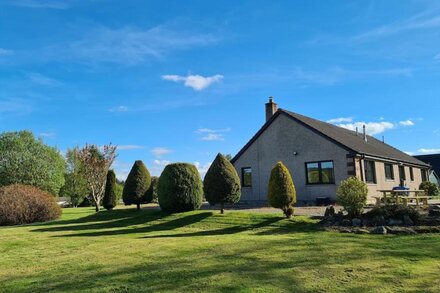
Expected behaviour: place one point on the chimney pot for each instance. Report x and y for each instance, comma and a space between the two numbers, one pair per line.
271, 108
365, 133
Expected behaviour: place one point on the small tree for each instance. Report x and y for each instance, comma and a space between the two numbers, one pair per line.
96, 163
151, 194
431, 189
75, 186
137, 184
352, 195
282, 193
221, 183
110, 198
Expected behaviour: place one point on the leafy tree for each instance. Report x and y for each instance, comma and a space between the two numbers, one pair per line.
27, 160
431, 189
110, 199
137, 184
180, 188
118, 191
221, 183
75, 185
151, 194
282, 193
352, 195
96, 162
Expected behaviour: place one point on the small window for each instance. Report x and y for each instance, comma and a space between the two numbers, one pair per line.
411, 173
370, 172
389, 171
320, 172
246, 177
402, 174
424, 176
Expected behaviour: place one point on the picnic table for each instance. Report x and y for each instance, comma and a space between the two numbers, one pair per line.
404, 196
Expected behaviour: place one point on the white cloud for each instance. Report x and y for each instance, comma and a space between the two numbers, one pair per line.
130, 45
128, 147
161, 151
340, 120
161, 162
52, 4
119, 109
428, 151
15, 106
41, 79
372, 128
196, 82
410, 153
407, 123
6, 52
202, 168
213, 137
208, 134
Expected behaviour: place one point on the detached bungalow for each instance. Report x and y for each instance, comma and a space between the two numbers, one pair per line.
319, 156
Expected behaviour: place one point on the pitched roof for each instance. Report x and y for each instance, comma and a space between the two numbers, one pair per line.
433, 160
343, 137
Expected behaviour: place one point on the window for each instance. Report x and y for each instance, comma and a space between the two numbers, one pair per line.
389, 171
411, 173
246, 177
370, 171
320, 172
402, 174
424, 176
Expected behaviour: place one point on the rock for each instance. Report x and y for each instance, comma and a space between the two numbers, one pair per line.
366, 222
407, 221
356, 222
395, 222
361, 231
346, 230
427, 229
434, 211
379, 221
346, 223
401, 230
379, 230
329, 212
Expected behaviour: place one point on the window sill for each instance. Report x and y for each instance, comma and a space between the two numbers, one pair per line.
315, 184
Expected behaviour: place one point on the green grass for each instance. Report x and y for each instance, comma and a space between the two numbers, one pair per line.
129, 251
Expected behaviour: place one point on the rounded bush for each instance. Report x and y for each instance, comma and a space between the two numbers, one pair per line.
221, 183
431, 189
137, 184
352, 195
282, 193
23, 204
180, 188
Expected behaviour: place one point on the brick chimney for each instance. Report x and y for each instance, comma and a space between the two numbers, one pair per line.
271, 108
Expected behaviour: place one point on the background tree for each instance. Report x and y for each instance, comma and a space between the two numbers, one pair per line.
282, 193
96, 162
151, 194
136, 185
431, 189
180, 188
75, 185
110, 198
119, 189
27, 160
221, 183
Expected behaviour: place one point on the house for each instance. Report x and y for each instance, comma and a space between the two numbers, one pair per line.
319, 156
434, 161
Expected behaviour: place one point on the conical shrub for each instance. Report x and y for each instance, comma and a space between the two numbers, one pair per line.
110, 198
282, 193
180, 188
221, 184
151, 195
137, 184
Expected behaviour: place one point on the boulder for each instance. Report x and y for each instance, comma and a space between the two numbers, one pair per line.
346, 223
379, 230
407, 221
329, 212
395, 222
401, 230
356, 222
361, 231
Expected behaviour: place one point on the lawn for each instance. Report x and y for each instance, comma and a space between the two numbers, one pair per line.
129, 251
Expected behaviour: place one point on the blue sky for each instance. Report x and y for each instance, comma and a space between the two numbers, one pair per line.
183, 80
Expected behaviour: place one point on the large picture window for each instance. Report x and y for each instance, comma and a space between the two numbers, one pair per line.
389, 171
320, 172
246, 177
370, 171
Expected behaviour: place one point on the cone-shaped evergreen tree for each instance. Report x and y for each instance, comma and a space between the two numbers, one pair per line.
221, 184
151, 194
110, 198
282, 193
137, 184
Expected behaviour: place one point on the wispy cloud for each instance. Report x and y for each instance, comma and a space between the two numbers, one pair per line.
127, 147
41, 79
203, 168
51, 4
196, 82
429, 151
131, 45
6, 52
118, 109
340, 120
408, 122
15, 106
161, 151
208, 134
48, 134
372, 128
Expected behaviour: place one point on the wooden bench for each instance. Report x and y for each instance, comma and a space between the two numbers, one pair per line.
396, 196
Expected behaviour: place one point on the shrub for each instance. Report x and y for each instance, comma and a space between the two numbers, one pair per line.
110, 198
282, 193
221, 183
180, 188
352, 195
137, 184
27, 160
151, 194
394, 211
430, 188
23, 204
